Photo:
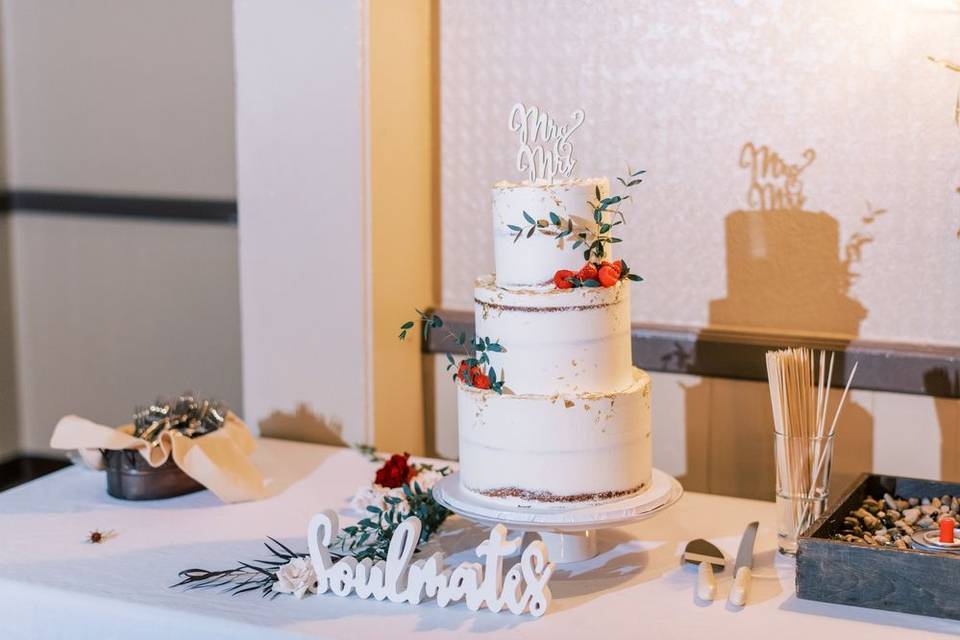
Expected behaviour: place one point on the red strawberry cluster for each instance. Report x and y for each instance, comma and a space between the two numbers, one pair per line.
606, 274
473, 376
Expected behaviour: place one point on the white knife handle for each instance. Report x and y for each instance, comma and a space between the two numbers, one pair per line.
741, 586
706, 583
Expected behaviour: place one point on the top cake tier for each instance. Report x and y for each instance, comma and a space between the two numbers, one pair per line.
531, 262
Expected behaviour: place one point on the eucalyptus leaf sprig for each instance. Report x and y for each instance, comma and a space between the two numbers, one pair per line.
472, 370
256, 575
370, 537
595, 238
367, 451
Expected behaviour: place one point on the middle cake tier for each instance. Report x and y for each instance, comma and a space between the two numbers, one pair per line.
557, 341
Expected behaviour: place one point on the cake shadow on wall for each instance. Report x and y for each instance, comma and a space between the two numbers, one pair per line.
788, 274
303, 425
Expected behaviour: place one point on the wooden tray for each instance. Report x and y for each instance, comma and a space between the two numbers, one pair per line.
907, 580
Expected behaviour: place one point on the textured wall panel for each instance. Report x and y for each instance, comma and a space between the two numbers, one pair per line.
678, 89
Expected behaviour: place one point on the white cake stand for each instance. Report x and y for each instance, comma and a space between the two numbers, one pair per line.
570, 533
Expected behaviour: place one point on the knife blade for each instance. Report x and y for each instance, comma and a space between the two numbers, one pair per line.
743, 567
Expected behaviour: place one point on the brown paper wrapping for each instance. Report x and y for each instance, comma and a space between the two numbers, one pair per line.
219, 460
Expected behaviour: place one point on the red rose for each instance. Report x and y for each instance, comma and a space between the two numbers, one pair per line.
395, 472
609, 275
562, 279
588, 272
462, 371
481, 381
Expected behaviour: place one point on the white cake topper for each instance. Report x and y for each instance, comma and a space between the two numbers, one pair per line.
545, 147
397, 579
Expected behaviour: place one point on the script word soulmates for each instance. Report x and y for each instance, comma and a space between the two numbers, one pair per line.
399, 579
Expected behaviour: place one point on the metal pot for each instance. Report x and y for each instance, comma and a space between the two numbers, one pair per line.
130, 477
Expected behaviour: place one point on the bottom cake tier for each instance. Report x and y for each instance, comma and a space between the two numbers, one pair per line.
561, 449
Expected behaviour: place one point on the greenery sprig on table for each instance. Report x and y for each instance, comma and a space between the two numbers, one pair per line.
368, 539
596, 236
247, 576
473, 370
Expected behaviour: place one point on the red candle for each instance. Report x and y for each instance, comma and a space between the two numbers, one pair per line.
947, 526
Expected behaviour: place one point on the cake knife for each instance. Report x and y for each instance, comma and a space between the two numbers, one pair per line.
743, 569
706, 555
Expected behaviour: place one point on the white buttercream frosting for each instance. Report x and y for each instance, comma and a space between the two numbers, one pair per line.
572, 425
559, 446
557, 341
529, 262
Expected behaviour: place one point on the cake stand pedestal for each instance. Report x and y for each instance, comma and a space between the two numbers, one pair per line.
570, 533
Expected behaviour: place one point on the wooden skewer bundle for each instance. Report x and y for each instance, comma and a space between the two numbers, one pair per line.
799, 393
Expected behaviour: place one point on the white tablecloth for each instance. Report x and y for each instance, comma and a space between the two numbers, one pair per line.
54, 584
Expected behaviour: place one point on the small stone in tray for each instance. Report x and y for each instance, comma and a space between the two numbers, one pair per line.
890, 521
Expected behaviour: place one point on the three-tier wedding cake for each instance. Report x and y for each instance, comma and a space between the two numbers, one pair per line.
568, 421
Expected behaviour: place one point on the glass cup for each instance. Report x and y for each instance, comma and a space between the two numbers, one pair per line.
803, 478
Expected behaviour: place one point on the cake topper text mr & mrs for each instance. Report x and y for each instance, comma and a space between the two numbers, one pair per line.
545, 147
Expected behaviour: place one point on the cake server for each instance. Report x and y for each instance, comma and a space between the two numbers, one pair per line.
743, 569
705, 554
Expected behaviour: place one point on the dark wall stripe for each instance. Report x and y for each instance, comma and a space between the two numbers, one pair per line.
902, 368
199, 210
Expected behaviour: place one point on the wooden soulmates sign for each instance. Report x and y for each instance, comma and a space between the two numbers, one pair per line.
400, 579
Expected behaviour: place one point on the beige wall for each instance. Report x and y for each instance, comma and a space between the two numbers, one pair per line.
404, 234
111, 313
127, 97
8, 373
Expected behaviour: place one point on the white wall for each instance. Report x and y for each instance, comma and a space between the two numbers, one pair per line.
678, 88
124, 97
303, 246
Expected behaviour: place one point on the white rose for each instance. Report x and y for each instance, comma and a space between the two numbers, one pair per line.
427, 478
367, 496
296, 577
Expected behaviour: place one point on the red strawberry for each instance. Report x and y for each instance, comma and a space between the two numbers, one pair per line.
618, 266
609, 275
561, 279
588, 272
481, 381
